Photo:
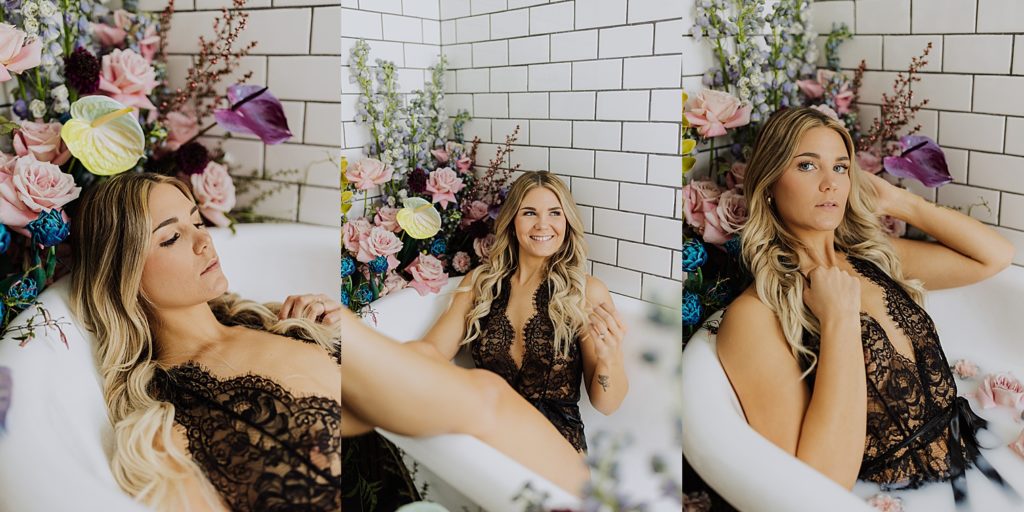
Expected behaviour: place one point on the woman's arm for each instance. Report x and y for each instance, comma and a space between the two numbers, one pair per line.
444, 338
967, 250
603, 369
824, 428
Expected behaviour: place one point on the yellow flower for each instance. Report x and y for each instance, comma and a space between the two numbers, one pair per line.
346, 201
419, 218
104, 135
688, 145
344, 167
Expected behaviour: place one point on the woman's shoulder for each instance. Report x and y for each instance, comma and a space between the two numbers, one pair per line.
597, 291
747, 316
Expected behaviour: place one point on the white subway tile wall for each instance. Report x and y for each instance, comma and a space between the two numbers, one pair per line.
594, 86
975, 110
297, 56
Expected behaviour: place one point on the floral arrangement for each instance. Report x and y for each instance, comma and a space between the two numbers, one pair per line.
434, 215
91, 100
755, 76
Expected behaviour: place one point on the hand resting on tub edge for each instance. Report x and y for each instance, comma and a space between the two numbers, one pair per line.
535, 325
829, 351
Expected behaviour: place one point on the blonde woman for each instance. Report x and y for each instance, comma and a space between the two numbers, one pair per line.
217, 403
532, 315
829, 351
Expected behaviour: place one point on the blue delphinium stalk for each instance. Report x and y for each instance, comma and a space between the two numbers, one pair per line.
793, 52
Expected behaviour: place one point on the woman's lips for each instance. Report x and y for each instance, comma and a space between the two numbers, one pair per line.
213, 264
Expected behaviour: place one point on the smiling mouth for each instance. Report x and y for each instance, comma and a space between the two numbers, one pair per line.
213, 264
542, 238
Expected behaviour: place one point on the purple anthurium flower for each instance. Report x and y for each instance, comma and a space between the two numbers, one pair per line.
921, 159
254, 110
5, 396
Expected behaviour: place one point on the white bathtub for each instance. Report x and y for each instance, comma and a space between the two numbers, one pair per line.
464, 472
983, 322
54, 455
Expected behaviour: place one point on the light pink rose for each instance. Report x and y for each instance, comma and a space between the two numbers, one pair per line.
482, 246
43, 141
128, 78
868, 161
380, 242
827, 110
369, 172
33, 187
387, 218
965, 369
392, 283
473, 212
428, 275
735, 176
149, 44
886, 503
712, 112
731, 213
811, 88
815, 89
464, 164
893, 226
16, 56
113, 36
215, 193
461, 261
443, 184
181, 127
699, 196
353, 232
1000, 389
441, 155
1018, 444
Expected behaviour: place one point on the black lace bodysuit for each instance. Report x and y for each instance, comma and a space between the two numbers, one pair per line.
262, 448
546, 379
918, 429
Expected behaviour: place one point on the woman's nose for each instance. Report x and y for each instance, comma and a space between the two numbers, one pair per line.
202, 241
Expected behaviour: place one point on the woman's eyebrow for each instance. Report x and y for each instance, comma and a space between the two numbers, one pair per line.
172, 220
815, 155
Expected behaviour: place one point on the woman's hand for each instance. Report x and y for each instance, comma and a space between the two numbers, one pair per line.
832, 294
606, 331
315, 307
887, 196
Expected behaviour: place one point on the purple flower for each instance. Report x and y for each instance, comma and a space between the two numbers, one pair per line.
921, 159
254, 110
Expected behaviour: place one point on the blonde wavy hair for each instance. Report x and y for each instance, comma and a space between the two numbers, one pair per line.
769, 249
106, 296
565, 270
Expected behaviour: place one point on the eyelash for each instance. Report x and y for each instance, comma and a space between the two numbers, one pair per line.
800, 167
531, 213
198, 225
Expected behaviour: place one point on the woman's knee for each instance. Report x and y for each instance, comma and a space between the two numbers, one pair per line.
490, 390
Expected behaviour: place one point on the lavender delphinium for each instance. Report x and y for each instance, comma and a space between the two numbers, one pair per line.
793, 53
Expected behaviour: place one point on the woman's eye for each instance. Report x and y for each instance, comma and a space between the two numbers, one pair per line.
841, 169
805, 166
527, 213
556, 213
199, 225
171, 241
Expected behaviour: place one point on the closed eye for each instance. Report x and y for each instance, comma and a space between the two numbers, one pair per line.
170, 242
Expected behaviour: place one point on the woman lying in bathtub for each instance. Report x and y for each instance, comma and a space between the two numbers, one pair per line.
829, 351
532, 315
172, 348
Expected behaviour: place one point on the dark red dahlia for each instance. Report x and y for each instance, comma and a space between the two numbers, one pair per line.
417, 181
82, 71
192, 158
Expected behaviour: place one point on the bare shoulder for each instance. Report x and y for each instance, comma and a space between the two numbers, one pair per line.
750, 333
597, 291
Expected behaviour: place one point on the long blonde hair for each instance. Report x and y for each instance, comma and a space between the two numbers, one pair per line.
111, 234
769, 250
565, 270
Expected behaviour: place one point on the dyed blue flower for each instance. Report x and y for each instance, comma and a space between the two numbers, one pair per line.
348, 266
364, 294
5, 239
345, 299
694, 255
691, 308
22, 292
379, 265
49, 229
439, 247
733, 247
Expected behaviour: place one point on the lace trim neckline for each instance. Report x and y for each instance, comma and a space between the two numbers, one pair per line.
194, 367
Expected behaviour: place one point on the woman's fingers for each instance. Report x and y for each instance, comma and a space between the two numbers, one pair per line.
309, 306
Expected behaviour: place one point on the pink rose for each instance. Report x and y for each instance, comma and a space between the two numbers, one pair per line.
713, 111
811, 88
726, 219
441, 155
369, 172
43, 141
474, 211
149, 44
15, 55
698, 197
109, 36
461, 262
886, 503
1018, 444
843, 100
815, 89
380, 242
181, 127
965, 369
353, 232
392, 283
215, 193
482, 246
464, 164
868, 161
735, 176
443, 184
428, 274
128, 78
387, 218
893, 226
1000, 389
33, 187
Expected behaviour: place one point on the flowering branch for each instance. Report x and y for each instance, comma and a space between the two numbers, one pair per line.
898, 110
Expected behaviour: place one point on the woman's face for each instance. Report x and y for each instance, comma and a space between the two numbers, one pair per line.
182, 268
540, 223
812, 193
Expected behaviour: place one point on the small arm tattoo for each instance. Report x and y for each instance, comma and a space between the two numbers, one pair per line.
604, 381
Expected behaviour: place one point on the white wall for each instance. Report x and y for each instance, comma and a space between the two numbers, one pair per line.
297, 56
974, 84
